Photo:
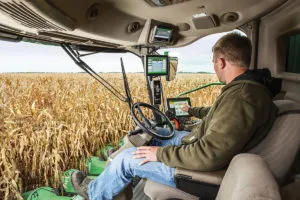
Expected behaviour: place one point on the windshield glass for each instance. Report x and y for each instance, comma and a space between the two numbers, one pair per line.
53, 115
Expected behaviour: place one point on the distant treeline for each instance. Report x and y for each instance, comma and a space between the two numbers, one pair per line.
194, 72
180, 72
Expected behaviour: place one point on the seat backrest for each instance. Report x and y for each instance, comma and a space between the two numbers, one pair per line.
248, 177
281, 145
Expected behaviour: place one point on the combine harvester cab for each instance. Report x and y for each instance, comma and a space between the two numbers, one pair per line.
142, 28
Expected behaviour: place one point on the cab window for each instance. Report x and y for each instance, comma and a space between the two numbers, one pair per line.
293, 58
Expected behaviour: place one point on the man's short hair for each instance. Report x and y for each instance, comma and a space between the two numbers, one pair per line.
235, 48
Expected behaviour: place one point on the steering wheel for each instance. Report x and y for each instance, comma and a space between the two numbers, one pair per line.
148, 125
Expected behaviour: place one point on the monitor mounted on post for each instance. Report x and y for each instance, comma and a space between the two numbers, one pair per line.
177, 104
157, 65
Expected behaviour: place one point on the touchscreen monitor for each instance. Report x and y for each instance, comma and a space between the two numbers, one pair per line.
177, 104
157, 65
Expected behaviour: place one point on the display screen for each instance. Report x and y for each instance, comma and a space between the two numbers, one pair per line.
162, 34
177, 104
157, 65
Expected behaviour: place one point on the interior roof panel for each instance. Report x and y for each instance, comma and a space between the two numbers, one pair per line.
114, 16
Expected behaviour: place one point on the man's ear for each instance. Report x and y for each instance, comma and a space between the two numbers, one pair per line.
222, 63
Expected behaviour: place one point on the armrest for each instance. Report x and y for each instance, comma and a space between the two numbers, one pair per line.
201, 184
213, 177
157, 191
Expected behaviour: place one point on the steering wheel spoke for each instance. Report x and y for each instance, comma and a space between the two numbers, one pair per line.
162, 123
153, 123
145, 121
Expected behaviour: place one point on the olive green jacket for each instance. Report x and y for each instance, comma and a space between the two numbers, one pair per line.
199, 112
240, 118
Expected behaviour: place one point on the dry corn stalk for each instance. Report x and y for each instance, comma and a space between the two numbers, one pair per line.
49, 122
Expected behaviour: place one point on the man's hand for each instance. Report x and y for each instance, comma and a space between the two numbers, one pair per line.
185, 107
147, 152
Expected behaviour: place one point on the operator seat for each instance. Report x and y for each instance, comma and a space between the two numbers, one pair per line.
278, 149
248, 177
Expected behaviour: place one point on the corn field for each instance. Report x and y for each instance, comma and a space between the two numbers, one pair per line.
50, 122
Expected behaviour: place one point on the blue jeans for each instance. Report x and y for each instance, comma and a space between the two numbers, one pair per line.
124, 167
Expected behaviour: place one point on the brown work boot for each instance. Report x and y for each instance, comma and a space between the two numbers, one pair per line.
80, 183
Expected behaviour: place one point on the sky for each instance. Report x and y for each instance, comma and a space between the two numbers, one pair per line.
30, 57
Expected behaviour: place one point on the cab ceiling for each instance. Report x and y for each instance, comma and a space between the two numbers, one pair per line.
111, 22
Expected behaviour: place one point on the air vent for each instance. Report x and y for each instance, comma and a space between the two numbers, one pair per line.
183, 26
229, 17
160, 3
23, 14
133, 27
93, 12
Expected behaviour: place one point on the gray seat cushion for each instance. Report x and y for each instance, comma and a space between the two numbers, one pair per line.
248, 177
281, 145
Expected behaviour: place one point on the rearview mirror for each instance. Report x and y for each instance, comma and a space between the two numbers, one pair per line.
173, 61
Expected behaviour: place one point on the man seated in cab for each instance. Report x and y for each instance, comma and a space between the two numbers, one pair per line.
239, 119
